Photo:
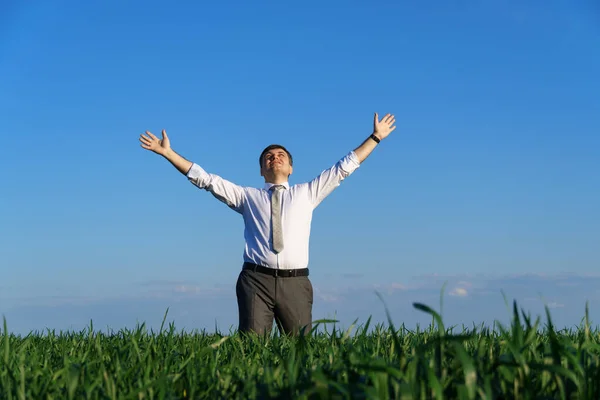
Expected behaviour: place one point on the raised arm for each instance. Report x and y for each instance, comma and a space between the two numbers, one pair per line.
325, 183
331, 178
225, 191
381, 129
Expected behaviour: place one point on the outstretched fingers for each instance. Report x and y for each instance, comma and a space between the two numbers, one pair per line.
147, 141
388, 119
151, 135
144, 142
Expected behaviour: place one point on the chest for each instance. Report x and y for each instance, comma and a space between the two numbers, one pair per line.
293, 204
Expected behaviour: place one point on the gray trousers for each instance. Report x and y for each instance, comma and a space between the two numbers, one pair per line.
262, 298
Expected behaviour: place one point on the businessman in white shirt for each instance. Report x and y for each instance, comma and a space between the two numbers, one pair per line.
273, 283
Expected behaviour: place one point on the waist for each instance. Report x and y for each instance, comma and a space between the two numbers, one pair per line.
282, 273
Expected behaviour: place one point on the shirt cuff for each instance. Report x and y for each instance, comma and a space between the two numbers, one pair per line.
196, 173
350, 162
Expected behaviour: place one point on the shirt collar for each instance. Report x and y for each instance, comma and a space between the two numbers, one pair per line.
268, 185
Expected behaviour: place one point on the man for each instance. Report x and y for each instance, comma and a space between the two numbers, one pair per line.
273, 282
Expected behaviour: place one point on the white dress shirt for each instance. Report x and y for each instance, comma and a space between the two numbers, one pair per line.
297, 205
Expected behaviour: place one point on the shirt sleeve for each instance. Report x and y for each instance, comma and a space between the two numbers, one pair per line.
331, 178
225, 191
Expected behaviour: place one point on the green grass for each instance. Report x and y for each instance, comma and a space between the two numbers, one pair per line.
523, 361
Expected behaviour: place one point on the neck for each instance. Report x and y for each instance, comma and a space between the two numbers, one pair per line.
276, 180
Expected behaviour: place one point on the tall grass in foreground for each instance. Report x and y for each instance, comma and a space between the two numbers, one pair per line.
517, 362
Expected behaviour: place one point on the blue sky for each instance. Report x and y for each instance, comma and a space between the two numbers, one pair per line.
489, 183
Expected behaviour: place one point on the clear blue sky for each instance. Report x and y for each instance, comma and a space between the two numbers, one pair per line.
490, 182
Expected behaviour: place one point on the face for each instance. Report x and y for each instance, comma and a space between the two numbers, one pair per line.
276, 162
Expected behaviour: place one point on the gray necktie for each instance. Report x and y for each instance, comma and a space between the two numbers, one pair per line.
276, 218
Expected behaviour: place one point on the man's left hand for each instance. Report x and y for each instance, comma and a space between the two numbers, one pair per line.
383, 128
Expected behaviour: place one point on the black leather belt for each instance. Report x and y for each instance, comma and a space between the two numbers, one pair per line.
283, 273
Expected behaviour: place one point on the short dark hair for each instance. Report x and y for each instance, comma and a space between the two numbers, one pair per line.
271, 147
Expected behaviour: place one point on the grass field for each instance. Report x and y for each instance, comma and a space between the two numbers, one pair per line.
527, 360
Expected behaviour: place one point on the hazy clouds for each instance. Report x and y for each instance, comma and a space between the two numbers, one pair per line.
467, 299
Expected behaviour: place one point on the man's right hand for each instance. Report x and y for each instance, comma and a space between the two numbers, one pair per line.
152, 143
163, 147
